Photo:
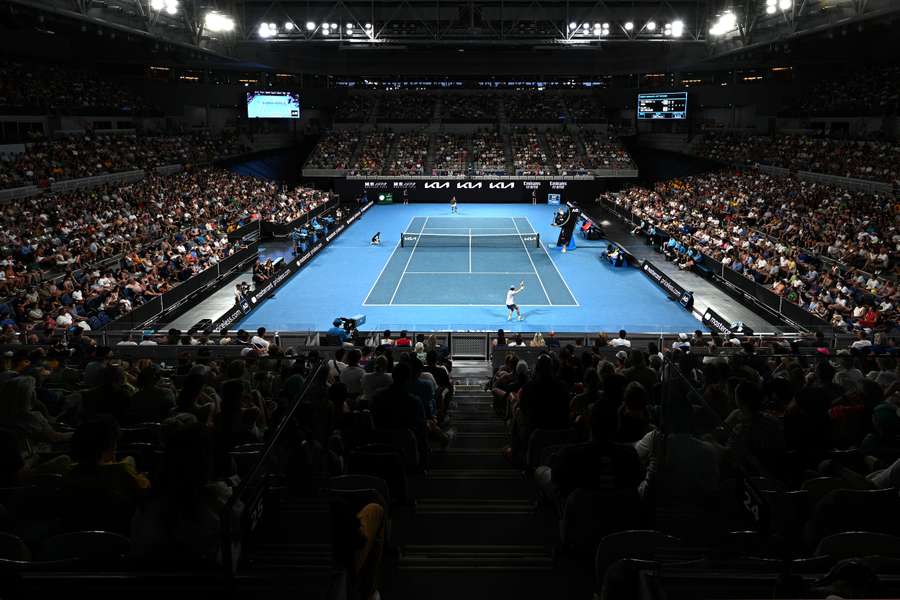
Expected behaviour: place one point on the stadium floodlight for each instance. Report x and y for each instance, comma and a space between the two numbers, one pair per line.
288, 26
349, 26
629, 26
726, 22
218, 23
325, 26
667, 30
267, 30
368, 27
325, 31
598, 26
157, 5
677, 28
785, 4
334, 26
171, 7
573, 26
651, 25
310, 26
770, 10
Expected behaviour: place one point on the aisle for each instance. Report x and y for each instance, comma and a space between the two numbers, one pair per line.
475, 533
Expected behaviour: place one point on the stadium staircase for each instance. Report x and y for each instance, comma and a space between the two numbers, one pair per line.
474, 531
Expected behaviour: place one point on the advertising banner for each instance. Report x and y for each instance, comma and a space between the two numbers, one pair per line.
470, 191
255, 297
715, 322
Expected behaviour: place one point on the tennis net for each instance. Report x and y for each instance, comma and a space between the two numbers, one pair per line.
474, 240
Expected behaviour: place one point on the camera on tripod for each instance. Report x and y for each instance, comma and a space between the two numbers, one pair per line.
351, 323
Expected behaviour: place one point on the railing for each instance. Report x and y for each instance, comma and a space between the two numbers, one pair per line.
250, 493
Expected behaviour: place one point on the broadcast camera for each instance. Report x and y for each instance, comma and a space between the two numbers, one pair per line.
351, 323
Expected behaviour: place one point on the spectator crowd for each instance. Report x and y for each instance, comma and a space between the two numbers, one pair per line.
40, 88
830, 250
75, 157
69, 257
862, 159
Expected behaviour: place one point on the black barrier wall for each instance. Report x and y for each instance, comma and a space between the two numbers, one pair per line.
481, 192
151, 309
256, 296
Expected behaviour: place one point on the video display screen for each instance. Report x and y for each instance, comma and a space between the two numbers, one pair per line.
663, 105
273, 105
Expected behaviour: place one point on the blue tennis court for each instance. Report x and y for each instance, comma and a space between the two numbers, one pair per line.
446, 285
469, 261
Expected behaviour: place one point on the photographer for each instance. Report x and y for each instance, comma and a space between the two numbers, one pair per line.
339, 331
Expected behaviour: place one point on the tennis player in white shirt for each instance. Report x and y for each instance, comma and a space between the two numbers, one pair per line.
511, 301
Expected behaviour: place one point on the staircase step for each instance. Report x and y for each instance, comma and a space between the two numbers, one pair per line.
477, 558
466, 458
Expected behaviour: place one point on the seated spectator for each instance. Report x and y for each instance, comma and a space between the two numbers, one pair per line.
377, 380
180, 522
33, 432
100, 491
359, 544
600, 464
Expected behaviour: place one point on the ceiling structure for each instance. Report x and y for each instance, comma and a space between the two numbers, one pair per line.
467, 36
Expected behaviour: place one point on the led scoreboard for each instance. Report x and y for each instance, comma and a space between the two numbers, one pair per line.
664, 105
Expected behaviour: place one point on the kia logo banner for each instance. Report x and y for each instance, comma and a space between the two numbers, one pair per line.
583, 191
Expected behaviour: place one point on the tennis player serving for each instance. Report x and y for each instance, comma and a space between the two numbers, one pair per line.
511, 301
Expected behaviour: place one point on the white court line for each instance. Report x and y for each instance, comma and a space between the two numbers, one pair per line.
528, 254
470, 249
469, 272
553, 262
473, 305
377, 279
408, 260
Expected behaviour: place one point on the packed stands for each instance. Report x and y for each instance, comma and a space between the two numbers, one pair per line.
158, 232
529, 155
567, 157
354, 108
450, 154
533, 107
373, 153
406, 107
90, 155
827, 249
867, 91
334, 150
410, 154
604, 151
470, 108
863, 159
104, 442
36, 88
488, 153
583, 108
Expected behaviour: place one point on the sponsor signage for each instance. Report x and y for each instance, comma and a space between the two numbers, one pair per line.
437, 185
331, 235
531, 185
291, 267
715, 322
671, 288
376, 185
558, 185
502, 185
469, 185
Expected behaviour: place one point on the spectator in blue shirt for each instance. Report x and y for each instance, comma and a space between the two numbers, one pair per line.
338, 331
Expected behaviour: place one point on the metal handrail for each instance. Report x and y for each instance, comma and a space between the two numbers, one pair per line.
225, 514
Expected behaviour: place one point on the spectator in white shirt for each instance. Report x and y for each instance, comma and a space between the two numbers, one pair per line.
861, 342
353, 374
259, 341
621, 341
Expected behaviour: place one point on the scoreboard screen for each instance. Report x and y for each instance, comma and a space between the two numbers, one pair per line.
664, 105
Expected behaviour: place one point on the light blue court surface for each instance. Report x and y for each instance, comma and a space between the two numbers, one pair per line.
460, 284
469, 261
